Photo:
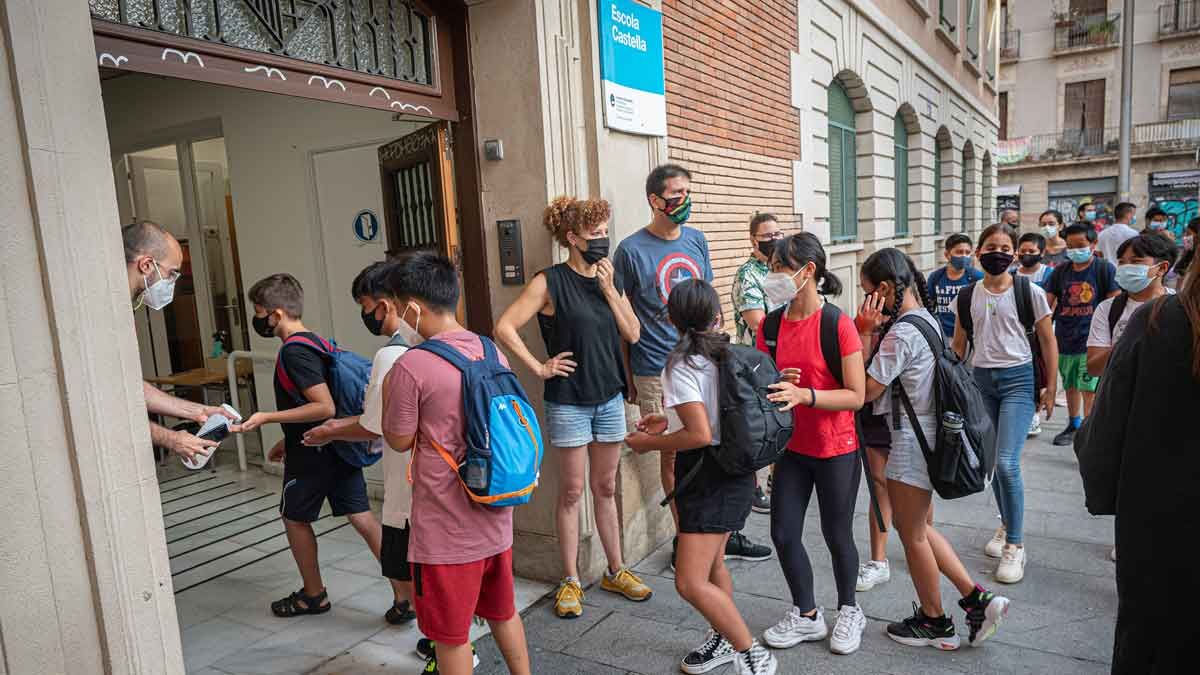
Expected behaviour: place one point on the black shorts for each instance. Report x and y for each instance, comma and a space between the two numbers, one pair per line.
714, 501
875, 431
393, 554
323, 477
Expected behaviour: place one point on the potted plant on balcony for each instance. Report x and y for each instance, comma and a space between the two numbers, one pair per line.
1061, 12
1101, 33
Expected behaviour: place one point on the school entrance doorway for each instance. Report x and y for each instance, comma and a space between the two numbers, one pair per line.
307, 138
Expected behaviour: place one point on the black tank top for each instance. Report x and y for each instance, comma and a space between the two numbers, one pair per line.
583, 324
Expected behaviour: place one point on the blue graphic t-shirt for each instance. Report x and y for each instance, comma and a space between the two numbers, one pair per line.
647, 268
945, 290
1078, 293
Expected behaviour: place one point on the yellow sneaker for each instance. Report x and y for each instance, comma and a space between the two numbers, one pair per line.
627, 584
568, 603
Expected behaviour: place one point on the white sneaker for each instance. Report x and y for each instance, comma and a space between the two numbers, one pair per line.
847, 632
1113, 555
1012, 564
995, 547
871, 574
755, 661
1035, 427
1060, 398
796, 628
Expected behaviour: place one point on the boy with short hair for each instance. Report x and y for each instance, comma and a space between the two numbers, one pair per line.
460, 551
1075, 289
1030, 251
310, 476
945, 282
381, 316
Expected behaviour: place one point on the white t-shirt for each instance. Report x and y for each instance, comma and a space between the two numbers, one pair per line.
904, 354
1000, 340
397, 493
1111, 239
692, 380
1098, 336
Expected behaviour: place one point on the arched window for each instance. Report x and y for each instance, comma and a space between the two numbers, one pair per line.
843, 186
900, 139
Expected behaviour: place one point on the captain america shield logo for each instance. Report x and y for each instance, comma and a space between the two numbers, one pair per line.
673, 269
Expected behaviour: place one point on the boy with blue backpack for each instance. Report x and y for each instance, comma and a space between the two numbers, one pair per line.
314, 381
476, 445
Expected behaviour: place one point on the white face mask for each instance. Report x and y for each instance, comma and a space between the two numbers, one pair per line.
410, 334
1050, 231
160, 293
780, 287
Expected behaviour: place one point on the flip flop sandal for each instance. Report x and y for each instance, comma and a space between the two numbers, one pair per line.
299, 604
400, 613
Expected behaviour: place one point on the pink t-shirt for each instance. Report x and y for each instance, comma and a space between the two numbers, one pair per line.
423, 395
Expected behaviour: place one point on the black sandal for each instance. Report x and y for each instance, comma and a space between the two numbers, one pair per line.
299, 604
400, 613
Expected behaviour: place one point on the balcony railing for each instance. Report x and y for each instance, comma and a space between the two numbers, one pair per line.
1010, 46
1075, 144
1179, 18
1087, 31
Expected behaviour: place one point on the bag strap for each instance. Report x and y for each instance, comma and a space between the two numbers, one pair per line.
937, 343
1023, 294
397, 341
446, 352
1055, 283
321, 346
770, 329
683, 482
1115, 311
965, 319
831, 347
916, 425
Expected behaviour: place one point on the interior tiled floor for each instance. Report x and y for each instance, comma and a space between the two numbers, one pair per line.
229, 560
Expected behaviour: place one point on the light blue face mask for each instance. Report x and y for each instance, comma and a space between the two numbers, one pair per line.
1134, 278
1132, 221
1158, 225
1079, 255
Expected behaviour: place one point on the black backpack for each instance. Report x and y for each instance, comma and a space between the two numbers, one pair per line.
1115, 311
964, 467
1023, 293
754, 433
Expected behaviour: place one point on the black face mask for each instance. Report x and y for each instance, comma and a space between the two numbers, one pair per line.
996, 262
262, 326
597, 250
767, 248
375, 326
1030, 259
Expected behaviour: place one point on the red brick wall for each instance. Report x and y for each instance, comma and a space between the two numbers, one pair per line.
730, 118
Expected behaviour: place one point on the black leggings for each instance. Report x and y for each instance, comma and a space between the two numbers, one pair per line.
836, 480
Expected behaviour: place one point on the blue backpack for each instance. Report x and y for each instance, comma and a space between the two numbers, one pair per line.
504, 439
349, 374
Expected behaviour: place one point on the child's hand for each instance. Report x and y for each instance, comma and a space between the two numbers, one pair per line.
653, 424
253, 422
790, 375
641, 442
870, 315
319, 435
277, 452
789, 395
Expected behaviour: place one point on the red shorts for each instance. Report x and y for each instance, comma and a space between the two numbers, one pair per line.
447, 597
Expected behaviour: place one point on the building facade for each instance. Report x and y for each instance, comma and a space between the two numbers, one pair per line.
1060, 105
315, 137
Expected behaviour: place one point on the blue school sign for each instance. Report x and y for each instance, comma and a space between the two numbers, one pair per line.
631, 68
366, 226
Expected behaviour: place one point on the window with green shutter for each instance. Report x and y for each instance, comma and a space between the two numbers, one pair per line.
843, 181
901, 145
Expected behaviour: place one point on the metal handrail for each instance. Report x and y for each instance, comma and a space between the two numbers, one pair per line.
231, 373
1082, 143
1087, 31
1010, 45
1181, 16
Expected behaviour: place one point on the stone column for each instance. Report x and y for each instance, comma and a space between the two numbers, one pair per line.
84, 575
922, 227
876, 180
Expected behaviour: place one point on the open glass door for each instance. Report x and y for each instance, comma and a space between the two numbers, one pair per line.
418, 196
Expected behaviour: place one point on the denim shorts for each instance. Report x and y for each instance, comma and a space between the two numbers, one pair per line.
573, 426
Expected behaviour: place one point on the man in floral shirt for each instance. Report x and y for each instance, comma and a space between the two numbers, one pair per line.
749, 302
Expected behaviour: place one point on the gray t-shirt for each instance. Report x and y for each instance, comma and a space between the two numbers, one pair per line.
646, 269
905, 355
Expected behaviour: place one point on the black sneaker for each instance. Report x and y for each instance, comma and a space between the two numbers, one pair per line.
919, 630
985, 612
716, 651
762, 503
1067, 437
427, 650
674, 550
740, 548
400, 613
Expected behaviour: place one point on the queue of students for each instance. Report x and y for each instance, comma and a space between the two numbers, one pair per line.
645, 327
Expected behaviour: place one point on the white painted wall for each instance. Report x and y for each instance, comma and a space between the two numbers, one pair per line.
278, 148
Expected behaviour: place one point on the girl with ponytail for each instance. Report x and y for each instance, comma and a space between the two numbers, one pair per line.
823, 451
894, 288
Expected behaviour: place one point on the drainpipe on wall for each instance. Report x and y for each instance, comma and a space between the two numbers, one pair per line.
1123, 181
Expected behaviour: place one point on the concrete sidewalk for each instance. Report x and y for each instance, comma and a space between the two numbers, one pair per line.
1061, 619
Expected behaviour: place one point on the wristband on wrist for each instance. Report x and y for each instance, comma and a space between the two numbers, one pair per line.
812, 397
